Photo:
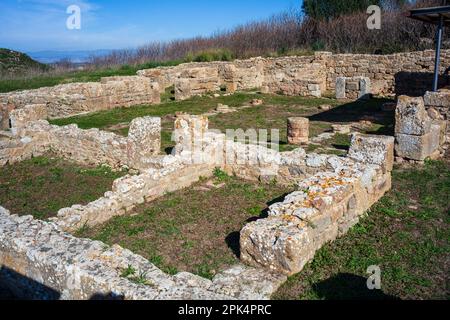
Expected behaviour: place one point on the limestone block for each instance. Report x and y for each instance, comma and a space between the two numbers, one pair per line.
279, 244
418, 148
438, 99
145, 138
411, 117
340, 88
183, 89
365, 89
372, 149
298, 131
20, 117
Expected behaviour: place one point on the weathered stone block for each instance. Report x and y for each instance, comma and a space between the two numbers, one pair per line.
298, 131
373, 149
145, 138
411, 117
276, 243
183, 89
340, 88
20, 117
437, 99
365, 89
418, 148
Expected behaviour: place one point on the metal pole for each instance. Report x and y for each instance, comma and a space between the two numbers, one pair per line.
438, 54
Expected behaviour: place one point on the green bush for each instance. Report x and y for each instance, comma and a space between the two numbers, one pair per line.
210, 55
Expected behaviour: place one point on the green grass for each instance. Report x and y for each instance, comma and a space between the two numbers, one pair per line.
52, 79
194, 230
407, 234
43, 185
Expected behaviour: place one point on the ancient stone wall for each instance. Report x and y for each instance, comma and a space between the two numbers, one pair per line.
401, 73
287, 75
130, 191
86, 147
77, 98
332, 194
39, 261
325, 206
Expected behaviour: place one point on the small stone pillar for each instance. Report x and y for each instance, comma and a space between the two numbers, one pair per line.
144, 139
298, 131
417, 135
189, 132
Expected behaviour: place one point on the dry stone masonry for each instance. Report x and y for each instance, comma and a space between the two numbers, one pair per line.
333, 193
418, 136
77, 98
41, 260
351, 76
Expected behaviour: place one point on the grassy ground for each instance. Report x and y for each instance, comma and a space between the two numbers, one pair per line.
272, 114
196, 229
53, 79
406, 234
43, 185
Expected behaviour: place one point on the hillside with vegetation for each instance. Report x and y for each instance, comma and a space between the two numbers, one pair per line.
18, 63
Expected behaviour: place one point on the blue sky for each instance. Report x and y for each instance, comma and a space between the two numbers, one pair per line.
35, 25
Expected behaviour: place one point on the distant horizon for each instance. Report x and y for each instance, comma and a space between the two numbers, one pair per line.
37, 26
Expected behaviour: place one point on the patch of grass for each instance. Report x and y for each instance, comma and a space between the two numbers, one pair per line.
43, 185
410, 245
128, 272
220, 175
191, 230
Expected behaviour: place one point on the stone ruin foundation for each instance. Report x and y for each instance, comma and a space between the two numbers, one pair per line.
332, 194
43, 260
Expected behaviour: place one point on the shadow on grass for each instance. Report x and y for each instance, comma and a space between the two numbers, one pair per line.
345, 286
357, 111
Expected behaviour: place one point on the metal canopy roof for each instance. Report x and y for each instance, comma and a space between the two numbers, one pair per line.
432, 15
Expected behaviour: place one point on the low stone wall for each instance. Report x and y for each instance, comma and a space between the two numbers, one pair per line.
130, 191
288, 75
86, 147
402, 73
39, 261
409, 73
326, 206
77, 98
